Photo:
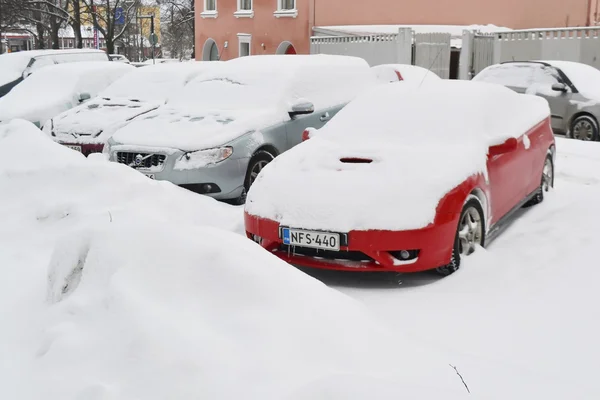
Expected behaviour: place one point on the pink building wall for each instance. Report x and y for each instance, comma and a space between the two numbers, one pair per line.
268, 32
515, 14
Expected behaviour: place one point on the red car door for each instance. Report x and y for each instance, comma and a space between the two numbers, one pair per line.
508, 174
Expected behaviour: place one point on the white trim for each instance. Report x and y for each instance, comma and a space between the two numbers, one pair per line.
286, 14
244, 14
244, 38
289, 13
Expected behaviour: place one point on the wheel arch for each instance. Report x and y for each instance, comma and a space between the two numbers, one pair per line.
582, 114
269, 148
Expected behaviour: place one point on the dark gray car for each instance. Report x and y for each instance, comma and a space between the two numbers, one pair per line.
571, 89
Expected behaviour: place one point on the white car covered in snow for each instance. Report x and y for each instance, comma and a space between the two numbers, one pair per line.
226, 126
57, 88
403, 72
87, 128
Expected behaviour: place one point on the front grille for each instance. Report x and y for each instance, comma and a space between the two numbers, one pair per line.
148, 160
326, 254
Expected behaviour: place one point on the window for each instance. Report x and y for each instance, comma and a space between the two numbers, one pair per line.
210, 9
286, 8
244, 9
245, 5
244, 44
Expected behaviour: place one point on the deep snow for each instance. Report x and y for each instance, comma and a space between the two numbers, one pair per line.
119, 287
164, 309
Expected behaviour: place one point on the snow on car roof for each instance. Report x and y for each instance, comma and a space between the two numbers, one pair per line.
423, 140
12, 65
51, 87
157, 82
387, 73
325, 80
442, 110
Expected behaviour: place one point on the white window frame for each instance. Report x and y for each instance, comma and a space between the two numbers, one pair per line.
244, 13
293, 13
209, 13
244, 38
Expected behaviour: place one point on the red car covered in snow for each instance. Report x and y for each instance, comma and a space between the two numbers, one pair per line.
405, 178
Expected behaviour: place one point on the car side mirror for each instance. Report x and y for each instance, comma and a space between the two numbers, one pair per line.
84, 96
559, 87
302, 108
506, 147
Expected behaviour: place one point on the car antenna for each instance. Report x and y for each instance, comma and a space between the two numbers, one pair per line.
431, 66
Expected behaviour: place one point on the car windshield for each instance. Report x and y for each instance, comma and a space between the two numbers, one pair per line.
226, 94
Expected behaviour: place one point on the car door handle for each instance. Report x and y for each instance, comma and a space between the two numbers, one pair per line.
325, 117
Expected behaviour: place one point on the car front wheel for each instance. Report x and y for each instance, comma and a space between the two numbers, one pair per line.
469, 234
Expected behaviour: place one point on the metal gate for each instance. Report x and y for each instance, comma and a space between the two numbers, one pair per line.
432, 51
483, 52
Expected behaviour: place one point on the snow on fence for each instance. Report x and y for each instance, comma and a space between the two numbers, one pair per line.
376, 49
566, 44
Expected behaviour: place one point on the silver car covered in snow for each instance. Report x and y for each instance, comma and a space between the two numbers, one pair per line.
217, 135
571, 89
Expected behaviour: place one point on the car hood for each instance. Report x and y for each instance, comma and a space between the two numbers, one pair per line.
331, 186
190, 130
99, 116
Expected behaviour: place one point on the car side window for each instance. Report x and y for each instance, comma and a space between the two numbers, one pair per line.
546, 76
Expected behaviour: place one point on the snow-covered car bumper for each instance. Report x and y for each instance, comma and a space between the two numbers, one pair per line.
368, 250
221, 180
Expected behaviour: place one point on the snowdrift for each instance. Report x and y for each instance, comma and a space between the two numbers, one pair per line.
118, 287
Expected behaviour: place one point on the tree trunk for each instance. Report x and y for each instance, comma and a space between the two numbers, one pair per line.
110, 46
54, 26
41, 40
77, 24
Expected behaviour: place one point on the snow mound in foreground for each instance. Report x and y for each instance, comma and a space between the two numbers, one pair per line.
117, 287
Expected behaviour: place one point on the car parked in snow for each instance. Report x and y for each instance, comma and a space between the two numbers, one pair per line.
14, 67
57, 88
87, 128
226, 126
403, 72
572, 90
389, 185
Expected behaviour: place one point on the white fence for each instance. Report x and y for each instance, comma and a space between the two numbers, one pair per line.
431, 50
566, 44
376, 49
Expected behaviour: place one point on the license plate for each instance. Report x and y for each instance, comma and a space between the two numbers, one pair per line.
151, 176
312, 239
76, 148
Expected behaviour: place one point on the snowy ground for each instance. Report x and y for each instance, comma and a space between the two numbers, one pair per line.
117, 287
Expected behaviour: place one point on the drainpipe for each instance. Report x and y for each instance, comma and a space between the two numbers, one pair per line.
589, 13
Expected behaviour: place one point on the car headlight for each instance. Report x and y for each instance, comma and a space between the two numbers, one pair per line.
202, 158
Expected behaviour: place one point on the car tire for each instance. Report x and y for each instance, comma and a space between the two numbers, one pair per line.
258, 161
584, 127
470, 232
546, 184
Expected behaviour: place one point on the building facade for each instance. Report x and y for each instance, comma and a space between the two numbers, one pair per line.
227, 29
